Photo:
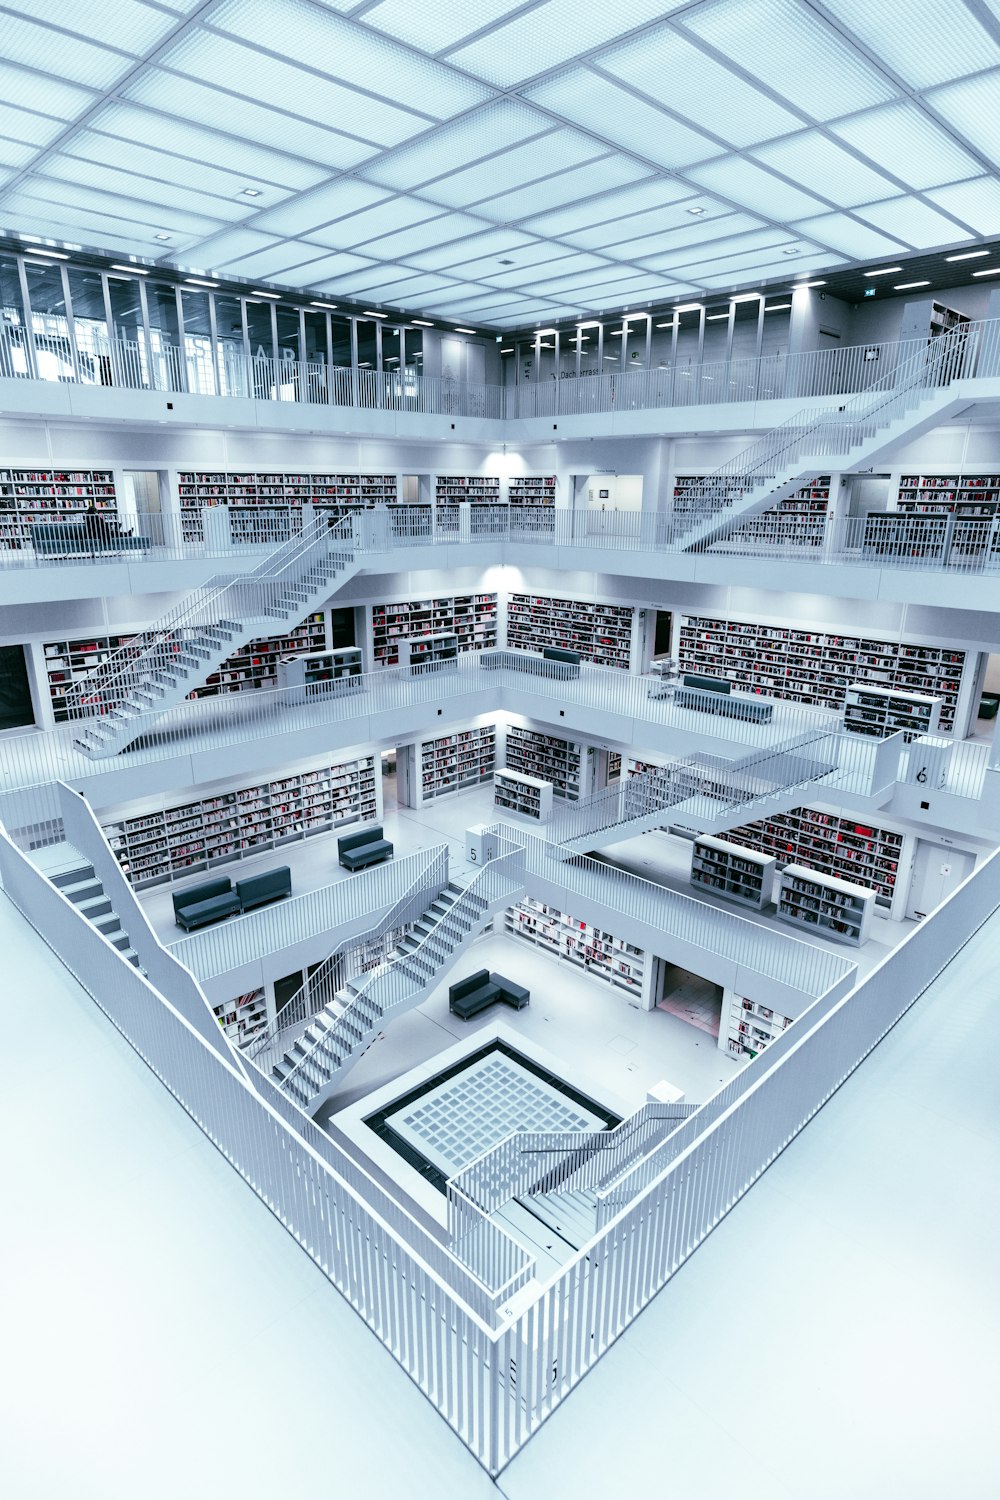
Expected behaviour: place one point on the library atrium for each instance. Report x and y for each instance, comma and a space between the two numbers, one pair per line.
499, 784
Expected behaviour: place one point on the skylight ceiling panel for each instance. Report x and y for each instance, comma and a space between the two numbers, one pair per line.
320, 206
494, 243
551, 33
67, 57
256, 164
228, 64
305, 34
388, 283
126, 24
436, 232
567, 187
976, 203
98, 200
194, 101
383, 218
24, 125
671, 220
229, 247
653, 193
730, 244
926, 43
847, 235
452, 147
145, 189
756, 188
698, 232
620, 276
130, 158
973, 107
726, 280
16, 153
433, 25
591, 100
304, 268
100, 216
914, 222
811, 158
813, 67
50, 96
556, 266
907, 142
668, 67
534, 261
510, 169
765, 259
22, 216
444, 298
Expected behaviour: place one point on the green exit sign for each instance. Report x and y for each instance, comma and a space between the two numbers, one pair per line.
869, 291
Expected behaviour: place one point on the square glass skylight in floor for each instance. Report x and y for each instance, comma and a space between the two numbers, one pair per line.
458, 1119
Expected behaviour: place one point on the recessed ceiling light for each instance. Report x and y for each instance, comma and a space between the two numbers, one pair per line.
746, 297
696, 211
665, 325
884, 271
163, 236
778, 307
689, 307
968, 255
330, 306
593, 324
472, 330
617, 333
809, 283
540, 333
50, 254
369, 314
789, 252
194, 281
715, 317
611, 356
907, 286
422, 323
506, 351
250, 192
274, 296
132, 270
994, 271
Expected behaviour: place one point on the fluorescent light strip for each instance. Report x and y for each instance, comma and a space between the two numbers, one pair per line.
778, 307
995, 271
690, 307
132, 270
193, 281
716, 317
368, 314
506, 351
49, 254
540, 333
274, 296
907, 286
472, 330
968, 255
421, 323
329, 306
800, 284
885, 271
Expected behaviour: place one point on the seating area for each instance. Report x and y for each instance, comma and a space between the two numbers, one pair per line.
215, 899
76, 538
356, 851
713, 695
482, 989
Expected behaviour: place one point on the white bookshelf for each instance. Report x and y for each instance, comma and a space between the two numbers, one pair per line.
556, 760
750, 1026
457, 762
601, 633
880, 712
730, 871
826, 906
31, 497
243, 1016
862, 853
600, 954
321, 674
429, 653
532, 489
472, 618
259, 503
165, 843
527, 796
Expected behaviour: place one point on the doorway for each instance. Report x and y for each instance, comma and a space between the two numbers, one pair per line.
390, 786
662, 628
140, 503
983, 721
689, 997
937, 870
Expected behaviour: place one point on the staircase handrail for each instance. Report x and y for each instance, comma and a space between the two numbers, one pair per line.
432, 877
911, 375
129, 663
388, 985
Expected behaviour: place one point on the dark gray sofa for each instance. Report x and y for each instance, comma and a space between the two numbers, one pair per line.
205, 903
471, 995
358, 850
271, 885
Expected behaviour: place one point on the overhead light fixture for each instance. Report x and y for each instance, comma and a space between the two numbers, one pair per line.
194, 281
716, 317
593, 324
907, 286
472, 330
250, 192
746, 297
789, 252
163, 236
422, 323
617, 333
506, 351
968, 255
611, 356
778, 307
274, 296
690, 307
994, 271
884, 271
696, 211
800, 284
50, 254
132, 270
540, 333
368, 314
330, 306
665, 325
35, 260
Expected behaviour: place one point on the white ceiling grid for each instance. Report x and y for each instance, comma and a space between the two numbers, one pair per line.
508, 160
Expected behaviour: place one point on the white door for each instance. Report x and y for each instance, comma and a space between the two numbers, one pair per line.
937, 870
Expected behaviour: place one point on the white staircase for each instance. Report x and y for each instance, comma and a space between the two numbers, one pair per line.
915, 396
313, 1067
125, 696
703, 792
81, 885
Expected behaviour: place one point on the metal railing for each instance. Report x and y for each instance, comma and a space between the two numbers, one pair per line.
429, 876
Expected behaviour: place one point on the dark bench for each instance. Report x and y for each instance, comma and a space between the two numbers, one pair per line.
357, 850
560, 668
471, 995
75, 539
257, 890
205, 903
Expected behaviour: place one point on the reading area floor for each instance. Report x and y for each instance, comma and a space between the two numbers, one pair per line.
170, 1340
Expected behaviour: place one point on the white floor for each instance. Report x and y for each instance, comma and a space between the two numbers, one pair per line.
838, 1334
